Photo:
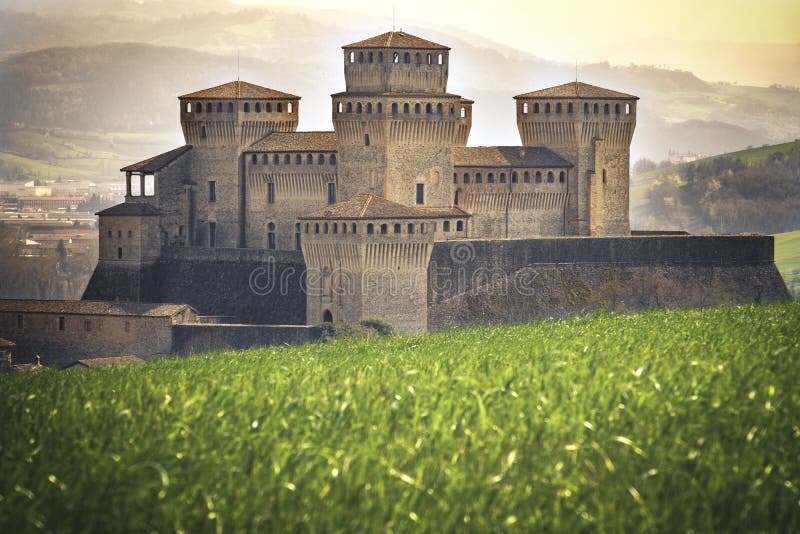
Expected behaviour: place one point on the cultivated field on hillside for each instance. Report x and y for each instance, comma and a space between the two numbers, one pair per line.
787, 258
665, 421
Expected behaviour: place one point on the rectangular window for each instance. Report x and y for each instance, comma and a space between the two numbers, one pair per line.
212, 191
136, 185
130, 234
87, 325
110, 233
127, 326
119, 253
271, 241
61, 323
180, 231
331, 193
212, 234
271, 193
420, 193
20, 322
297, 241
149, 185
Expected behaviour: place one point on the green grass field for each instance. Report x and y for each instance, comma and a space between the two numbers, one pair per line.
787, 258
667, 421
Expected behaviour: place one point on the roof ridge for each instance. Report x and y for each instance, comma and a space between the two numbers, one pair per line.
366, 205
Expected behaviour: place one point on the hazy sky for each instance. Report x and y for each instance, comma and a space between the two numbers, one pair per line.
569, 29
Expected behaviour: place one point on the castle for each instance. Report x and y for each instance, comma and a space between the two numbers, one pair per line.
366, 202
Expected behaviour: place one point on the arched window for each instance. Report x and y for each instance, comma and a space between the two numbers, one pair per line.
490, 178
410, 228
358, 108
316, 228
538, 177
525, 108
198, 107
397, 229
369, 107
596, 109
269, 107
569, 107
344, 228
271, 244
514, 177
550, 177
428, 108
455, 199
430, 59
352, 57
441, 59
276, 159
446, 226
369, 57
309, 159
394, 108
405, 108
627, 109
418, 58
478, 178
586, 108
604, 176
203, 132
370, 229
335, 228
325, 228
188, 107
526, 177
366, 139
417, 108
384, 229
265, 160
439, 109
459, 226
616, 109
466, 177
452, 109
407, 58
361, 57
287, 159
219, 107
353, 228
258, 107
298, 159
606, 109
380, 57
349, 107
396, 58
558, 107
332, 159
380, 107
209, 108
547, 108
254, 159
247, 107
321, 159
562, 177
536, 107
280, 107
327, 317
502, 177
463, 112
289, 107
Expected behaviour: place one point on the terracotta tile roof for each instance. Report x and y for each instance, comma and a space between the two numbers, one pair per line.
130, 209
296, 141
577, 90
507, 156
239, 89
6, 343
396, 40
367, 206
156, 163
104, 362
401, 95
92, 307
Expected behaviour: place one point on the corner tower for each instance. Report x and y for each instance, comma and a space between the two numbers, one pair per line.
396, 124
592, 127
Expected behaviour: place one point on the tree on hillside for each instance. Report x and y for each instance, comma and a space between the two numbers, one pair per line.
644, 165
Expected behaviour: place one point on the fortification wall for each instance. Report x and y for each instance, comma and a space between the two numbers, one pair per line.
502, 281
193, 338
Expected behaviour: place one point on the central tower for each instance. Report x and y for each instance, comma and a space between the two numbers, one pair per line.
396, 124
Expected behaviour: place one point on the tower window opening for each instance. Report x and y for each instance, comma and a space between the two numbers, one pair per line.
321, 159
212, 191
418, 58
349, 107
307, 227
455, 198
380, 57
430, 59
370, 57
361, 57
439, 109
502, 177
547, 108
478, 178
397, 229
269, 107
605, 109
247, 107
627, 109
219, 107
459, 226
309, 159
452, 109
562, 177
327, 317
358, 108
316, 228
407, 58
420, 193
380, 107
455, 178
525, 108
325, 228
466, 177
526, 177
604, 176
199, 108
287, 159
428, 108
265, 160
514, 177
406, 108
558, 107
271, 244
297, 237
463, 112
352, 57
280, 107
258, 107
209, 107
254, 159
298, 159
212, 234
586, 108
366, 139
616, 109
422, 228
344, 228
276, 159
332, 159
394, 108
596, 109
335, 228
203, 132
61, 323
446, 226
369, 107
538, 177
441, 59
410, 228
188, 107
417, 108
490, 178
230, 107
354, 228
550, 177
569, 108
536, 107
119, 253
384, 229
370, 229
396, 58
271, 193
331, 193
339, 107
